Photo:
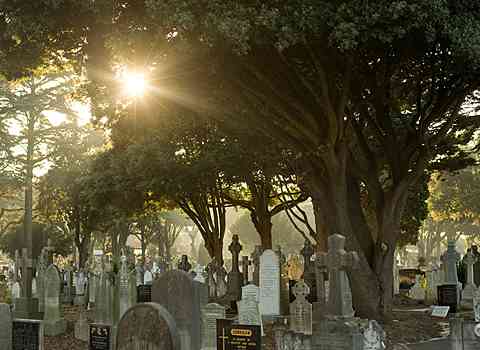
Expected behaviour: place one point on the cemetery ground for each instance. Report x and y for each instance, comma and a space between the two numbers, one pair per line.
408, 325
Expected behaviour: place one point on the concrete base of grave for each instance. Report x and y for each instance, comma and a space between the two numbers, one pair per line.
26, 308
54, 328
79, 300
82, 329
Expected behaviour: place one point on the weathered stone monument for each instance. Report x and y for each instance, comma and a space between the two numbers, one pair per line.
210, 314
125, 301
256, 264
184, 264
417, 292
301, 310
5, 327
54, 323
234, 277
470, 287
248, 308
269, 284
183, 298
147, 326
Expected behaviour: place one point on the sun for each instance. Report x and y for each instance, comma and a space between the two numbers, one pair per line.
134, 83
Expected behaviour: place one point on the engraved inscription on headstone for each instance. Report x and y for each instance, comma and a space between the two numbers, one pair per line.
147, 326
237, 337
100, 336
301, 310
210, 314
269, 283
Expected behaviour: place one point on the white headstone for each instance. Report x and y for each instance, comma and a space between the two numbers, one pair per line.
80, 283
16, 290
251, 291
148, 277
249, 313
476, 305
373, 337
269, 283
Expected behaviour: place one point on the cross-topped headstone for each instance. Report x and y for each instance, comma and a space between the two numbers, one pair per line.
469, 290
301, 309
449, 260
337, 261
184, 264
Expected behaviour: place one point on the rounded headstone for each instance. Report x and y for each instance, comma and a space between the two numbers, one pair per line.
5, 327
147, 326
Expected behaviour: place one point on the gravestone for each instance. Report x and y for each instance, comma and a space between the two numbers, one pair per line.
199, 274
301, 310
417, 292
337, 260
470, 287
27, 334
184, 264
396, 277
41, 268
269, 284
476, 266
157, 332
104, 300
447, 296
212, 284
147, 278
100, 337
234, 278
183, 298
309, 269
80, 289
68, 289
144, 293
139, 274
124, 287
248, 310
374, 337
222, 286
5, 327
245, 269
476, 305
81, 329
210, 314
16, 290
256, 264
54, 323
238, 337
450, 259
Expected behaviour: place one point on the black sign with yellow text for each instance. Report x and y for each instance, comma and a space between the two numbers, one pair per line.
238, 337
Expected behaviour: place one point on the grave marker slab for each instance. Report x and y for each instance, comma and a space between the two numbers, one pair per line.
301, 310
183, 298
238, 337
100, 337
5, 327
27, 334
157, 331
269, 283
210, 314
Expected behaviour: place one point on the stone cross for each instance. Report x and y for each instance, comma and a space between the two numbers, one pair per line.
26, 264
337, 261
449, 260
470, 287
235, 278
184, 264
256, 264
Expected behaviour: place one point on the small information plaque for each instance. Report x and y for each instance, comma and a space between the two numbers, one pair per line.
440, 311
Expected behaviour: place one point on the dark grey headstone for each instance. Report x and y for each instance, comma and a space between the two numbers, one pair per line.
100, 337
5, 327
147, 326
27, 334
183, 298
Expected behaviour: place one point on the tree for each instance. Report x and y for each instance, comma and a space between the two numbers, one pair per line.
63, 201
344, 84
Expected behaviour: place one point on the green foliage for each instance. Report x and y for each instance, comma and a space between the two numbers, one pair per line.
13, 240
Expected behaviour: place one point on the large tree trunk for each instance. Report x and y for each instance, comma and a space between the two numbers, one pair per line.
263, 225
340, 211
